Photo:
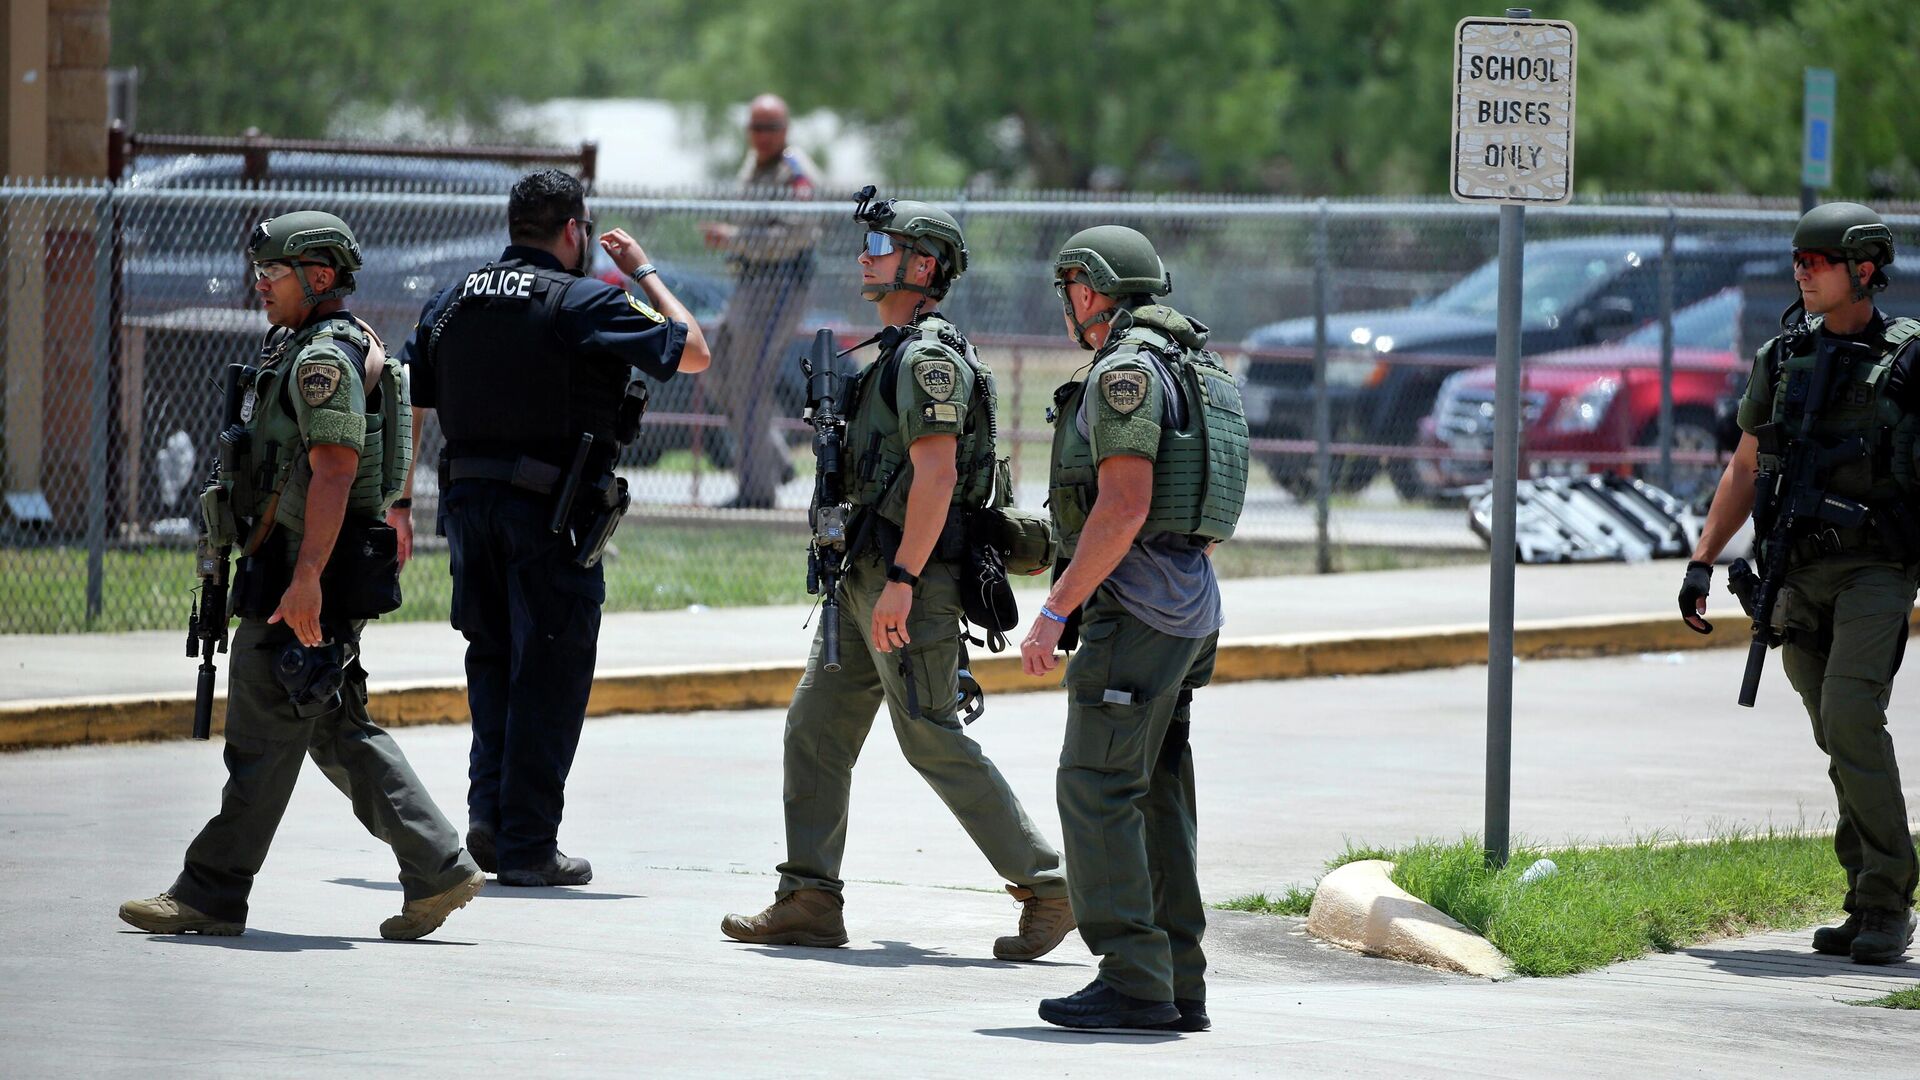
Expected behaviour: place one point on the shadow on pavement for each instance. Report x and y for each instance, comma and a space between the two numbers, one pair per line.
895, 954
1051, 1034
1791, 964
494, 888
266, 941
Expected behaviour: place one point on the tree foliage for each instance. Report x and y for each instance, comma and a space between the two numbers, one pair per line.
1336, 97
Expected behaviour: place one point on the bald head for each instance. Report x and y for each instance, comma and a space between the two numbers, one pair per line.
767, 127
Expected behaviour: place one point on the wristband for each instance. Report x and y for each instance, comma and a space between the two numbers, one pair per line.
402, 504
1048, 613
640, 272
896, 572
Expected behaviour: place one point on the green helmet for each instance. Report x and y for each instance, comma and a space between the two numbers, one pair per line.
1117, 261
1852, 230
926, 228
308, 236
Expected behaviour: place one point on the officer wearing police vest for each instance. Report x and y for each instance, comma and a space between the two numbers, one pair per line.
1149, 472
921, 443
536, 371
322, 449
1849, 590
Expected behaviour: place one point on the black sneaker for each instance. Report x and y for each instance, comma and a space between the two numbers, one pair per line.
1101, 1006
559, 870
1838, 940
480, 846
1884, 935
1193, 1016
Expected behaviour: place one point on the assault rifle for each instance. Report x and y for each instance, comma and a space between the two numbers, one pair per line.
207, 621
827, 550
1791, 505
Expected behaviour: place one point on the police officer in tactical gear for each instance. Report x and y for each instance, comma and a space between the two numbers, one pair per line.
320, 452
920, 440
1848, 589
1149, 471
535, 370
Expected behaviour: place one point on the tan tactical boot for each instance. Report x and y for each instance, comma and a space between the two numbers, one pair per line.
803, 917
1044, 922
164, 915
421, 917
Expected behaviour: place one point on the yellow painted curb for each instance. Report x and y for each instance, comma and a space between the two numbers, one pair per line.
130, 717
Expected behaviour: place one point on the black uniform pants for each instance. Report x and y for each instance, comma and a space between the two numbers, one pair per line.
532, 620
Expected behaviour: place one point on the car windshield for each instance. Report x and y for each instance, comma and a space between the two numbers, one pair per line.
1709, 324
1553, 283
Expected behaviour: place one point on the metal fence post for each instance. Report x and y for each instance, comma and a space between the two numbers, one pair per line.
1666, 350
1322, 413
100, 404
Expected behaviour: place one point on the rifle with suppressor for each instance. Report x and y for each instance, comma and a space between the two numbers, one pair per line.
207, 621
1791, 505
827, 515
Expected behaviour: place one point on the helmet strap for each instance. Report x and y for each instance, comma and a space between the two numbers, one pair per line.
1080, 328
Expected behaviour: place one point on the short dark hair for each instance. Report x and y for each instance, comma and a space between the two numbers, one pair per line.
541, 204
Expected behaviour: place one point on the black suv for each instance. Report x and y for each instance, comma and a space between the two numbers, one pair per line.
1576, 292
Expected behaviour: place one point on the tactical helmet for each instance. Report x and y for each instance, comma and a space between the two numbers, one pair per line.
308, 235
927, 229
1852, 230
1116, 260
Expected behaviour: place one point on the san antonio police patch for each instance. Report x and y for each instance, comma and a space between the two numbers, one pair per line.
318, 380
640, 306
1124, 390
935, 377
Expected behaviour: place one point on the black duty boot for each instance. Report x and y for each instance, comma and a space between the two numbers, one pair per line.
480, 846
1101, 1006
1838, 940
1884, 935
559, 870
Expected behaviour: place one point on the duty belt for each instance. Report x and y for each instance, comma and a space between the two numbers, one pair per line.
527, 473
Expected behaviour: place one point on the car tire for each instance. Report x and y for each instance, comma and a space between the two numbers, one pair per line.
1693, 429
1295, 475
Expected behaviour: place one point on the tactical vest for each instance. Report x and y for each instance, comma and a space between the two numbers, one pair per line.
880, 471
1859, 405
1200, 468
275, 458
507, 385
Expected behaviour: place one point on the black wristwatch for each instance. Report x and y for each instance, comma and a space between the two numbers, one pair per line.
896, 572
402, 504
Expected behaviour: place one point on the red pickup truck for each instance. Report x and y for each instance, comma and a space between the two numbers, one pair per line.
1586, 407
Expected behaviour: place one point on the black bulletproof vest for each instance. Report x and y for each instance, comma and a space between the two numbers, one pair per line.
507, 385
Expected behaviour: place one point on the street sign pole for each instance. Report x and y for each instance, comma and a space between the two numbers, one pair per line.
1816, 143
1512, 145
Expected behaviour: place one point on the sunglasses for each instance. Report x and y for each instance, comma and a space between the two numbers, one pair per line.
274, 271
767, 127
1811, 261
879, 243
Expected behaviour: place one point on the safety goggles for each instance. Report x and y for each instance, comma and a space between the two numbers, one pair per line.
274, 271
1815, 261
879, 243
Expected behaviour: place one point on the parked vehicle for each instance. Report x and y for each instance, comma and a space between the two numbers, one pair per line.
1576, 292
1600, 400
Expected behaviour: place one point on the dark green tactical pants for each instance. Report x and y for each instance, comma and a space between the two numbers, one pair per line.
1127, 802
1847, 629
267, 738
832, 712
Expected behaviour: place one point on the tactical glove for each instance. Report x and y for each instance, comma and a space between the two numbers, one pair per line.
1693, 589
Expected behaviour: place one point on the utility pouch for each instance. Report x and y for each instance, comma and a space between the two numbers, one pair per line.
1025, 538
362, 578
260, 579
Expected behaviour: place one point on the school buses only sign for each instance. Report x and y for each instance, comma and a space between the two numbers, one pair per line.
1513, 111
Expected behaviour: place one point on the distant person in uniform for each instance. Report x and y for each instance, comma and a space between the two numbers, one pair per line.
534, 369
773, 263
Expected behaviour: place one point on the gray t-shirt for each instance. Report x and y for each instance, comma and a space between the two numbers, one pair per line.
1165, 580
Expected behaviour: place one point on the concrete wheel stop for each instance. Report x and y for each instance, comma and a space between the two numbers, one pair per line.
1358, 906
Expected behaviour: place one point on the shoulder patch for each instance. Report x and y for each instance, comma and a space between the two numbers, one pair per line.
935, 377
640, 306
1123, 390
318, 380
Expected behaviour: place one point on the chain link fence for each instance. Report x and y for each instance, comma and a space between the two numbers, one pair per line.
1363, 332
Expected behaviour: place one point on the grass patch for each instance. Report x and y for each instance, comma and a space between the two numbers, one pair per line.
1296, 900
1615, 903
1899, 999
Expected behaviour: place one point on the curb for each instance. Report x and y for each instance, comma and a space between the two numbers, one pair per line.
53, 722
1359, 907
